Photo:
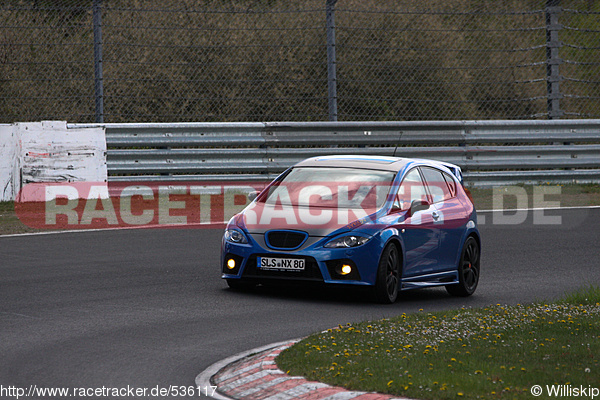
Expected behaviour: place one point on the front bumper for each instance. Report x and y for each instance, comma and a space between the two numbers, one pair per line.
321, 264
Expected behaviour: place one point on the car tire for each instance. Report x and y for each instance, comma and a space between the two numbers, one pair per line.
468, 270
389, 275
238, 284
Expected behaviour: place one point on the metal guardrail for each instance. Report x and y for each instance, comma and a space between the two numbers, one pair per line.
489, 152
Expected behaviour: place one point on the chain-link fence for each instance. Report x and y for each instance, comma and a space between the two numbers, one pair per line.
298, 60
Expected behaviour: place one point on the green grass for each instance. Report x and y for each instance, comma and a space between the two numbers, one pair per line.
587, 295
9, 222
497, 352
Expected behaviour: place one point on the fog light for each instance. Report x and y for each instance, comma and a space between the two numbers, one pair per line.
346, 269
231, 263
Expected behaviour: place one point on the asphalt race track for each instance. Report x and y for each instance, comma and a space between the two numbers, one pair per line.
147, 308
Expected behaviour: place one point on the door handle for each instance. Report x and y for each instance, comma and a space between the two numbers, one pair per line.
435, 215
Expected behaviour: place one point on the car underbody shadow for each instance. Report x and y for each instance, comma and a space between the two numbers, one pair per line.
319, 292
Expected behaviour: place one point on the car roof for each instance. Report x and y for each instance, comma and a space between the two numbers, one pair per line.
383, 163
356, 161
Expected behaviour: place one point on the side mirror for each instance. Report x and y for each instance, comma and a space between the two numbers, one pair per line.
252, 195
395, 208
418, 205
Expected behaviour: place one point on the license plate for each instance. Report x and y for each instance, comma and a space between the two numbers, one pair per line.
283, 264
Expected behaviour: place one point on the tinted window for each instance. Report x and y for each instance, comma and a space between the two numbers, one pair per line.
412, 188
451, 184
437, 184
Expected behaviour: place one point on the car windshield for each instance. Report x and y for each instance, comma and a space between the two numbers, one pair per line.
331, 188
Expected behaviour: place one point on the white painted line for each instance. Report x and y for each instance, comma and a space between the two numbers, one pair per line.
71, 231
225, 222
540, 209
18, 315
121, 228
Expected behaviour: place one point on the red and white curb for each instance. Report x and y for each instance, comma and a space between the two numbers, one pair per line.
253, 375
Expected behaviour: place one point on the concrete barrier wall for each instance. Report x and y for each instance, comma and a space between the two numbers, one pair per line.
8, 162
49, 151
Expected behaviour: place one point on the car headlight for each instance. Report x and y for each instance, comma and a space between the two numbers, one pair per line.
235, 236
347, 241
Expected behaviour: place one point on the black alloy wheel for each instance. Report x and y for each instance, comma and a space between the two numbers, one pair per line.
388, 275
468, 270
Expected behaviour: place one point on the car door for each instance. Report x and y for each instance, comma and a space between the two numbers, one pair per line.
421, 234
449, 216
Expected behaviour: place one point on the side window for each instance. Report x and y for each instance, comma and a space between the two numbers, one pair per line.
412, 188
437, 184
451, 184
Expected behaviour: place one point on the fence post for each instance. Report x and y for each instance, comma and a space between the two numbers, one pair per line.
98, 80
331, 63
553, 61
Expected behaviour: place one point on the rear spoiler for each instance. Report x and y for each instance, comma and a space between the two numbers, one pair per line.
455, 169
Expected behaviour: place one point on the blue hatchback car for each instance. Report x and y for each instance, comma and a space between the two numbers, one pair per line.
388, 223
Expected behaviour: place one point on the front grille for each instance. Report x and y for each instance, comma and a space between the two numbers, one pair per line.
311, 270
285, 239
